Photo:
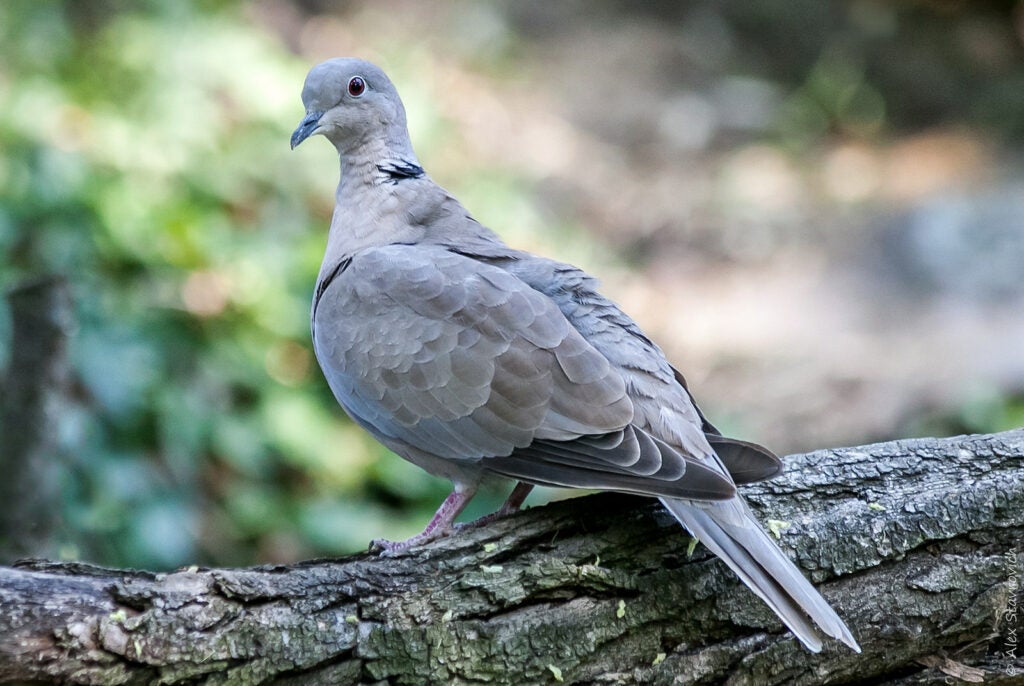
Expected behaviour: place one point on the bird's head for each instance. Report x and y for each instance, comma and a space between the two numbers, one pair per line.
350, 101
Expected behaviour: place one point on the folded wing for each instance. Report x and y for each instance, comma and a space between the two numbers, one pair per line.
464, 361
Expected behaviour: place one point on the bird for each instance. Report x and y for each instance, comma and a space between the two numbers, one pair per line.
472, 359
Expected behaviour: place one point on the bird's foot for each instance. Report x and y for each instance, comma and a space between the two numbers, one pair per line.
440, 525
387, 548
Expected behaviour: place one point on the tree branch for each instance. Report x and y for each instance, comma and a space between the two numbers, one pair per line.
916, 543
32, 387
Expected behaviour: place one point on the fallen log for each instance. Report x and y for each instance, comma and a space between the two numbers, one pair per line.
916, 543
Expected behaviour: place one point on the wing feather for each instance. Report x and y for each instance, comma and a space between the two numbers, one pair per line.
457, 358
450, 356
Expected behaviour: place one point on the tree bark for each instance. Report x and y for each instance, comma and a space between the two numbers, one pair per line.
916, 543
30, 393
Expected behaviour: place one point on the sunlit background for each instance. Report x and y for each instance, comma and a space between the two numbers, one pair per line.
817, 208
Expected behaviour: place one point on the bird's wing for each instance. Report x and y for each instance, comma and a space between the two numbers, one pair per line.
464, 361
747, 462
457, 358
662, 403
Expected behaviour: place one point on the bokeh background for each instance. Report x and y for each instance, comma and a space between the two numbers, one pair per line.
816, 207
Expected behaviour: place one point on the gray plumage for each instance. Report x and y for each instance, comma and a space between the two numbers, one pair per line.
468, 358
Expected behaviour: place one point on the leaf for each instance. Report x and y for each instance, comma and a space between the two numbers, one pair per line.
776, 526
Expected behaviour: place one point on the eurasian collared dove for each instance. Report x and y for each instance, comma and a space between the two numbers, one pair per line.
468, 358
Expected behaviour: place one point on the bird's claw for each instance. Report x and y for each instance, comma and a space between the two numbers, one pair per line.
386, 548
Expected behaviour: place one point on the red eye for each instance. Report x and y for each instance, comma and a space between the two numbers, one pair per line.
356, 86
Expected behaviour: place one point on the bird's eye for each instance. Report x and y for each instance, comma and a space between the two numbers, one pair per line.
356, 86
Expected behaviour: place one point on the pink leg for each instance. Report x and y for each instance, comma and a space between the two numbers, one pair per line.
510, 506
515, 499
440, 524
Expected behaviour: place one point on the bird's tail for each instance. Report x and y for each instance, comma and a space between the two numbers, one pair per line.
729, 530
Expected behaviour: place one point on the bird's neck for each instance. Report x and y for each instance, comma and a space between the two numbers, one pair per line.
384, 197
379, 182
376, 161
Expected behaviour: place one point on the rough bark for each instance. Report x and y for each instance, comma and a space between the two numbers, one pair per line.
30, 391
917, 544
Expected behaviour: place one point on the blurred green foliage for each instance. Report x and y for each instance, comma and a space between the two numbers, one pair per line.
985, 410
140, 160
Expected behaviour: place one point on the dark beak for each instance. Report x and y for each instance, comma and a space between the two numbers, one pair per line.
307, 128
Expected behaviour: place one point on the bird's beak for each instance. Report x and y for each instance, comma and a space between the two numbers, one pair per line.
306, 128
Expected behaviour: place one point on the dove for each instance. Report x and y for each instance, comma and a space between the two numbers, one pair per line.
473, 360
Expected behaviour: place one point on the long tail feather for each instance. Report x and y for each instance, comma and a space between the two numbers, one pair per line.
730, 531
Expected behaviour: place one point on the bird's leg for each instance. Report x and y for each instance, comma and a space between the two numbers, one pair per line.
515, 499
510, 506
440, 524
